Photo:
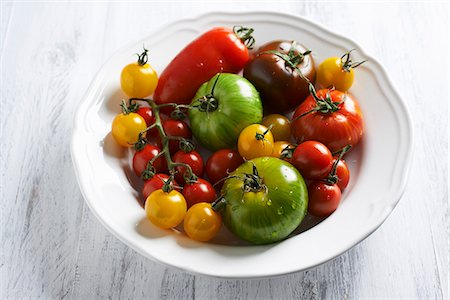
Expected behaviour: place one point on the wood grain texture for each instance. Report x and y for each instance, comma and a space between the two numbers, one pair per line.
53, 247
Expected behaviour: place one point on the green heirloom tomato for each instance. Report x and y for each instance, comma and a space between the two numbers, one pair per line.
222, 107
265, 200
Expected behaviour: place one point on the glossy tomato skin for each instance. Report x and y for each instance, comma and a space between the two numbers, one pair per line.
281, 126
250, 147
141, 159
270, 215
281, 88
238, 105
221, 163
125, 129
193, 159
165, 210
156, 183
343, 174
138, 81
174, 128
217, 50
331, 73
313, 159
201, 222
323, 198
335, 129
199, 191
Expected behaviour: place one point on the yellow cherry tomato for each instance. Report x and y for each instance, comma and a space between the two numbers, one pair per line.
281, 150
281, 126
139, 79
165, 210
255, 140
337, 72
201, 222
126, 128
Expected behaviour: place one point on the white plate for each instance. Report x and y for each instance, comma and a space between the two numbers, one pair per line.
379, 165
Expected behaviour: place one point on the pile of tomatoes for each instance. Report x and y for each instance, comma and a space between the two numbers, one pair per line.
264, 171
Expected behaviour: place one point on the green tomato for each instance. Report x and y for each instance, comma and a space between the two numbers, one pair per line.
266, 207
223, 107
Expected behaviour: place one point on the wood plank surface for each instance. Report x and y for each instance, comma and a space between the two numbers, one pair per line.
52, 247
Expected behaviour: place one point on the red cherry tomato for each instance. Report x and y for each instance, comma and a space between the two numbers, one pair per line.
312, 159
156, 183
324, 198
143, 157
193, 159
343, 174
175, 128
217, 50
199, 191
147, 113
221, 163
334, 129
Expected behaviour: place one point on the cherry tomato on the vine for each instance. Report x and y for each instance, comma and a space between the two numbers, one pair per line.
126, 128
165, 210
312, 159
255, 140
324, 198
143, 157
281, 126
156, 183
221, 163
175, 128
139, 79
201, 222
199, 191
191, 158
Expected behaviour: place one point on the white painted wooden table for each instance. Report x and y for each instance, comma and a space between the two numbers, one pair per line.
53, 247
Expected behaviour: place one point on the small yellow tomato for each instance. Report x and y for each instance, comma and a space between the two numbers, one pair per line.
281, 150
139, 79
201, 222
337, 72
255, 140
126, 128
281, 126
165, 210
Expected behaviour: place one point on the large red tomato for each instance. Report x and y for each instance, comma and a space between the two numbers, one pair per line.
336, 128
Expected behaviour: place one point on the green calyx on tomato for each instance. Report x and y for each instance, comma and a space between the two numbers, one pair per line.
221, 108
265, 199
348, 64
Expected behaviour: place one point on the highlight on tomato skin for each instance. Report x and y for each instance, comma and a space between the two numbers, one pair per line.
201, 222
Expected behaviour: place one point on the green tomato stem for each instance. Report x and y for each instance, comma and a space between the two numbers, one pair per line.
164, 138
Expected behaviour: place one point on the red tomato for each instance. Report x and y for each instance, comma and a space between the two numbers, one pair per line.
143, 157
343, 174
199, 191
218, 50
193, 159
147, 113
334, 129
156, 183
175, 128
221, 163
324, 198
312, 159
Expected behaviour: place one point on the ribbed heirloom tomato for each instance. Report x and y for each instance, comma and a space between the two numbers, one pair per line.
330, 117
265, 200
